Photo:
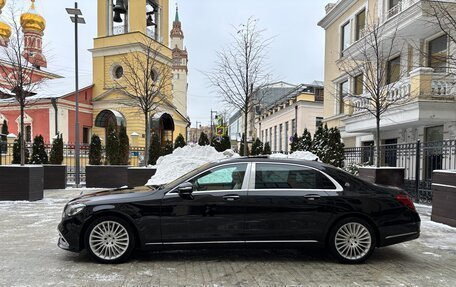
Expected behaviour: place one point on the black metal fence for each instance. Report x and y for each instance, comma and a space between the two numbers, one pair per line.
419, 160
136, 158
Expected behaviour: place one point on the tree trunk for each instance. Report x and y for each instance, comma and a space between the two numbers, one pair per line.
147, 133
245, 132
377, 142
22, 137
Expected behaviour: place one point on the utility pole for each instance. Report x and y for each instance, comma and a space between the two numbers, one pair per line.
212, 126
196, 133
76, 18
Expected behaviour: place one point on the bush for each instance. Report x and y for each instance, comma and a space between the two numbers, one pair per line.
17, 151
4, 130
328, 146
154, 150
303, 143
225, 143
124, 146
56, 154
180, 141
216, 143
257, 147
294, 146
112, 146
267, 149
167, 148
95, 150
203, 139
39, 155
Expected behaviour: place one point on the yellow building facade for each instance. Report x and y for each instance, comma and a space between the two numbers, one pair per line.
134, 35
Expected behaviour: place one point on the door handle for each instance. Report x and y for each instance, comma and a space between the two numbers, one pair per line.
312, 196
231, 197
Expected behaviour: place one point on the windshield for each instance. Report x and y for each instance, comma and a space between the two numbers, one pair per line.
186, 176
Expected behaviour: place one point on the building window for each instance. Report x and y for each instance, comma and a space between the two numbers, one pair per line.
28, 133
345, 37
280, 137
343, 92
438, 53
117, 72
318, 122
393, 3
270, 137
275, 138
85, 135
393, 7
360, 25
358, 85
393, 70
293, 126
286, 136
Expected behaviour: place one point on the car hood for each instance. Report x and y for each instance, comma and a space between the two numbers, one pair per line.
110, 196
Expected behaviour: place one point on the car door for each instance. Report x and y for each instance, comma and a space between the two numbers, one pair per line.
288, 203
214, 214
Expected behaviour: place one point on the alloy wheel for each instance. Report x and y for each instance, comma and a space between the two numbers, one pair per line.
109, 240
353, 241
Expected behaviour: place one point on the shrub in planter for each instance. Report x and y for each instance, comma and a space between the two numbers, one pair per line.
180, 141
267, 149
95, 150
17, 151
216, 144
257, 147
203, 139
154, 150
167, 148
56, 155
112, 146
225, 143
39, 155
124, 146
4, 131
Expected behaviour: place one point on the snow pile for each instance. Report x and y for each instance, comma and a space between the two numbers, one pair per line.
304, 155
184, 160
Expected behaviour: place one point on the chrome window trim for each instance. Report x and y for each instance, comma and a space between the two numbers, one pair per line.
243, 187
338, 188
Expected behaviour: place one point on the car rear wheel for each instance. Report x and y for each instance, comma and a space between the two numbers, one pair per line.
352, 240
109, 240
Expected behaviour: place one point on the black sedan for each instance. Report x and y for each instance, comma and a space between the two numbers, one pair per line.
244, 202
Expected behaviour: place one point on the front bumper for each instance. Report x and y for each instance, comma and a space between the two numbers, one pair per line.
69, 235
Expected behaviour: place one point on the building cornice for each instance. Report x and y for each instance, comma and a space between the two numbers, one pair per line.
339, 8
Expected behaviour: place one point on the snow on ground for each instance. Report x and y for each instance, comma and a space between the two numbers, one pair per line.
435, 235
190, 157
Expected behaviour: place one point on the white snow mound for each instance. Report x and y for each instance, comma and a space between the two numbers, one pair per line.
184, 160
304, 155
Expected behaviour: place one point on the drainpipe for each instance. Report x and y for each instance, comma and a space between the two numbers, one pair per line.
54, 104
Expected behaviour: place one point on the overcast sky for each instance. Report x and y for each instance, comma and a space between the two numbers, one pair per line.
295, 56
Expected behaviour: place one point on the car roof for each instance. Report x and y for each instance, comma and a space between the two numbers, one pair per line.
310, 163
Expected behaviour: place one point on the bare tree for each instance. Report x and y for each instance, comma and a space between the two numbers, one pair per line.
147, 82
240, 70
17, 74
377, 85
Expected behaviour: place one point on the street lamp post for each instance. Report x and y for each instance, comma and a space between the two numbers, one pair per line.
76, 18
196, 133
212, 127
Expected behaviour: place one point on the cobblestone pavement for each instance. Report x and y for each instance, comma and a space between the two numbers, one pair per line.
29, 257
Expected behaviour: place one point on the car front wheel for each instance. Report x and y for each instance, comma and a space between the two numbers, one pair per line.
109, 240
352, 240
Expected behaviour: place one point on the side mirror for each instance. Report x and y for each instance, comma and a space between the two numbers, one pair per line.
185, 190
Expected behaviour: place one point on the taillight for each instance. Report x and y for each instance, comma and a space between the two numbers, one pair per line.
405, 200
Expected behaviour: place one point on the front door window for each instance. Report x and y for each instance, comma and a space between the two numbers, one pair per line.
230, 177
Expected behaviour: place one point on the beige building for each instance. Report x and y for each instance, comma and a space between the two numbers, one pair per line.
292, 112
419, 54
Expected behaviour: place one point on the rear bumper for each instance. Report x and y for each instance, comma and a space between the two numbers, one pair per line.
399, 233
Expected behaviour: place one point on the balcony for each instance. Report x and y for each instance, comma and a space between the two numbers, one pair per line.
427, 98
399, 8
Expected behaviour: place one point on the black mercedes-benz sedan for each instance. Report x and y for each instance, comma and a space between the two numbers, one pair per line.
244, 203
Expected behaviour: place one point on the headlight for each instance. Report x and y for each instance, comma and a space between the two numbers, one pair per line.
73, 209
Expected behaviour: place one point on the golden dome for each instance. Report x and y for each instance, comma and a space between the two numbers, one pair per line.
2, 4
5, 30
32, 20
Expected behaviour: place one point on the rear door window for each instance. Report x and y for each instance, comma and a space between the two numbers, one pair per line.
284, 176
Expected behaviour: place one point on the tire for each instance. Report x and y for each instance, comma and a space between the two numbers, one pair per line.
352, 240
109, 239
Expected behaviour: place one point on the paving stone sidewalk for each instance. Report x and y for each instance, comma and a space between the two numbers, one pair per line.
29, 256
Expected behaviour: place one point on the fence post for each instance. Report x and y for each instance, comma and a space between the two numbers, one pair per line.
417, 170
